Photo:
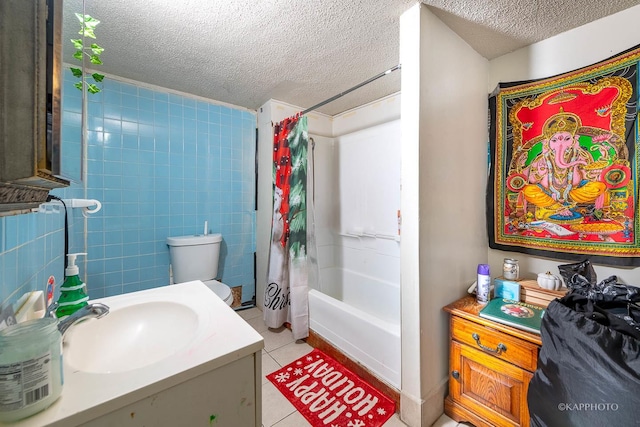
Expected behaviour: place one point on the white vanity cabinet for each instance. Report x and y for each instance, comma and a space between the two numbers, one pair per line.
212, 379
227, 396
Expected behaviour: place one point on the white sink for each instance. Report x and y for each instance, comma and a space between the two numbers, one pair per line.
150, 342
134, 334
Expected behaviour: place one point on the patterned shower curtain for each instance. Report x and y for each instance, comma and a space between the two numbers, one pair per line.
286, 295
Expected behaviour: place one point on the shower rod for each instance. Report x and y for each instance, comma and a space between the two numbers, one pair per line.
359, 85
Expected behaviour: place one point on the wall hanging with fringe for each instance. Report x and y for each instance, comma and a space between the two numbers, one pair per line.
563, 173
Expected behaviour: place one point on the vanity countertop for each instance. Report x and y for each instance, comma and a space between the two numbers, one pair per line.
223, 338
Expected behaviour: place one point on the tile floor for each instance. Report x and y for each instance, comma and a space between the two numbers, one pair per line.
280, 349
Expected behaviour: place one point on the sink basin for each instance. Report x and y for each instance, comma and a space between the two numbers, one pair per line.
134, 334
157, 351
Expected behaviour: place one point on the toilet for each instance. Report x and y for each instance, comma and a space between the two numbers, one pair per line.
195, 257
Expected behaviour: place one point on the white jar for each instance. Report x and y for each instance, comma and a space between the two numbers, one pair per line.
549, 281
30, 368
510, 269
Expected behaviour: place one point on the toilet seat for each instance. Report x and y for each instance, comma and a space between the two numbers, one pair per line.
220, 289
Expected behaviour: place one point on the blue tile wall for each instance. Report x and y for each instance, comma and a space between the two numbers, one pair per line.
32, 249
25, 238
161, 164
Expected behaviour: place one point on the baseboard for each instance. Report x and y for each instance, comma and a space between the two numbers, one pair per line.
411, 410
317, 341
416, 412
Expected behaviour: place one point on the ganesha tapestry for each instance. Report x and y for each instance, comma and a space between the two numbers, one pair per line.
564, 166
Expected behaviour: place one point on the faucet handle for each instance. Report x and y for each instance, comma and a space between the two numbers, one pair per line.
51, 309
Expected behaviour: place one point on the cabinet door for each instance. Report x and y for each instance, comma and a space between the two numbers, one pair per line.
491, 388
29, 102
224, 397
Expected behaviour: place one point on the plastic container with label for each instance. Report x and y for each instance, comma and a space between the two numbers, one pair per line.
30, 368
484, 284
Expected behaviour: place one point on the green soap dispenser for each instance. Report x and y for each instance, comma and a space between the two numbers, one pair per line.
73, 293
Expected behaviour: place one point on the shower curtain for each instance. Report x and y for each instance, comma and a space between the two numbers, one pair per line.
286, 294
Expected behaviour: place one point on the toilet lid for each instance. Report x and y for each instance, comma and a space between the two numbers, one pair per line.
220, 289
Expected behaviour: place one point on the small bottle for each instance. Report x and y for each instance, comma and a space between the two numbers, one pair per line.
484, 283
73, 293
510, 269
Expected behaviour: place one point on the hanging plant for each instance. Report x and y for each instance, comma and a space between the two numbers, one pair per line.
93, 52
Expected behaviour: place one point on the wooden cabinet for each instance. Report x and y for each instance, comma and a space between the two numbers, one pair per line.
491, 365
30, 54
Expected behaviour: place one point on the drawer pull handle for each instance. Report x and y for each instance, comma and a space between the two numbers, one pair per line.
456, 374
500, 349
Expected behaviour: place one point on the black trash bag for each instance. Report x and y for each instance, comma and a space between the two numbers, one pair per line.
583, 269
618, 314
581, 278
607, 290
589, 365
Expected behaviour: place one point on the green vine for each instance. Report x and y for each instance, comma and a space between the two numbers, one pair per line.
93, 52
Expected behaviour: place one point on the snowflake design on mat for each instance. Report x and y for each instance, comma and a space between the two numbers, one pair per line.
356, 423
297, 372
381, 411
309, 358
282, 377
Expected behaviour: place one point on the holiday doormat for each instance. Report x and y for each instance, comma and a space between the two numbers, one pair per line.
328, 394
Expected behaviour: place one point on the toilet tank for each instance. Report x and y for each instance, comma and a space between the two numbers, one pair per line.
194, 257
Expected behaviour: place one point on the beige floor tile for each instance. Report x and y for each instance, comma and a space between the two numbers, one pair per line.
293, 420
297, 420
268, 365
257, 323
444, 421
290, 352
276, 338
275, 406
250, 313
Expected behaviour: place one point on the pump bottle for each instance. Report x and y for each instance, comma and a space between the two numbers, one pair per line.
73, 294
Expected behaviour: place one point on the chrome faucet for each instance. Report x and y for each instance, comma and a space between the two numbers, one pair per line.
95, 310
51, 310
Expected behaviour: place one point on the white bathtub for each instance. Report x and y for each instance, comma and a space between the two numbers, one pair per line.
360, 315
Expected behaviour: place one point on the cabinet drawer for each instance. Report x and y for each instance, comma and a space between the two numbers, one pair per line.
514, 350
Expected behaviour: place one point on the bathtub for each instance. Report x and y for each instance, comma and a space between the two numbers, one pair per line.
360, 315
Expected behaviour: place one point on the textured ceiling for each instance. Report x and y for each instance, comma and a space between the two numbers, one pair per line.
297, 51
